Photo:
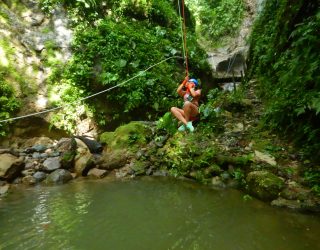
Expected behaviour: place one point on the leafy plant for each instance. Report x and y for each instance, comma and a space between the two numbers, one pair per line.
8, 104
284, 57
217, 19
167, 123
116, 47
312, 177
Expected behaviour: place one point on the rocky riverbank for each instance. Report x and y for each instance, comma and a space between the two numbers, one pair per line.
231, 158
228, 148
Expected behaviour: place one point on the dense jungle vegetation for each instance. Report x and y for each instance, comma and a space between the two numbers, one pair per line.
116, 40
285, 59
216, 20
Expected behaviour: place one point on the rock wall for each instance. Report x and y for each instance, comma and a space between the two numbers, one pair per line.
230, 60
31, 43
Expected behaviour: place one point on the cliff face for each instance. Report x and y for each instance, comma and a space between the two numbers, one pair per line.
31, 43
230, 60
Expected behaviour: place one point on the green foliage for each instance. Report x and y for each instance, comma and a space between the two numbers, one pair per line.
116, 47
89, 11
239, 175
247, 197
132, 135
284, 56
217, 19
312, 177
8, 103
167, 123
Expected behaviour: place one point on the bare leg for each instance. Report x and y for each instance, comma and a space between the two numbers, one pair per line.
179, 114
190, 110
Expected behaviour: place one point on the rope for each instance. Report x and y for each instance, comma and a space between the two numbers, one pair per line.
184, 36
90, 96
230, 64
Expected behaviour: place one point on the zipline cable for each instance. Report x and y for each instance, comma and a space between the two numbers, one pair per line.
90, 96
184, 35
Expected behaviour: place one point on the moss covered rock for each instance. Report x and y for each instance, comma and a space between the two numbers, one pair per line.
264, 185
139, 167
131, 135
114, 159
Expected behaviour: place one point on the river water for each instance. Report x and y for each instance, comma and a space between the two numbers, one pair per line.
148, 213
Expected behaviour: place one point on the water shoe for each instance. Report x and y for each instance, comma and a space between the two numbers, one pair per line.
190, 127
182, 128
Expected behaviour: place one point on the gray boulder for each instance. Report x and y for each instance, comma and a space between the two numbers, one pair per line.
39, 176
83, 160
59, 176
51, 164
264, 185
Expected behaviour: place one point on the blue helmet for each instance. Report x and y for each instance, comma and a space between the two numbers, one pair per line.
194, 81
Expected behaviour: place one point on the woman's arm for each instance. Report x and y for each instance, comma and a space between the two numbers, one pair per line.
192, 91
180, 90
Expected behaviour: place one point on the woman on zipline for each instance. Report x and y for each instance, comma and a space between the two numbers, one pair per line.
190, 91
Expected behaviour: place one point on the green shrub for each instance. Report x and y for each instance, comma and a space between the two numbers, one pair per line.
217, 19
116, 47
284, 56
8, 104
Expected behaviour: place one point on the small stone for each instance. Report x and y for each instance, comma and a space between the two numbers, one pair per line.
17, 180
292, 204
121, 173
225, 176
217, 182
48, 151
36, 155
54, 154
59, 176
27, 172
160, 173
238, 127
139, 154
265, 158
39, 148
51, 164
4, 190
149, 171
39, 176
29, 180
44, 155
97, 173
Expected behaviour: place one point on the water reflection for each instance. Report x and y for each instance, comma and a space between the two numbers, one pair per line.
149, 214
41, 216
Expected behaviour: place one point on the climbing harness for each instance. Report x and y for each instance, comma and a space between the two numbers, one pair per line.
184, 35
90, 96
